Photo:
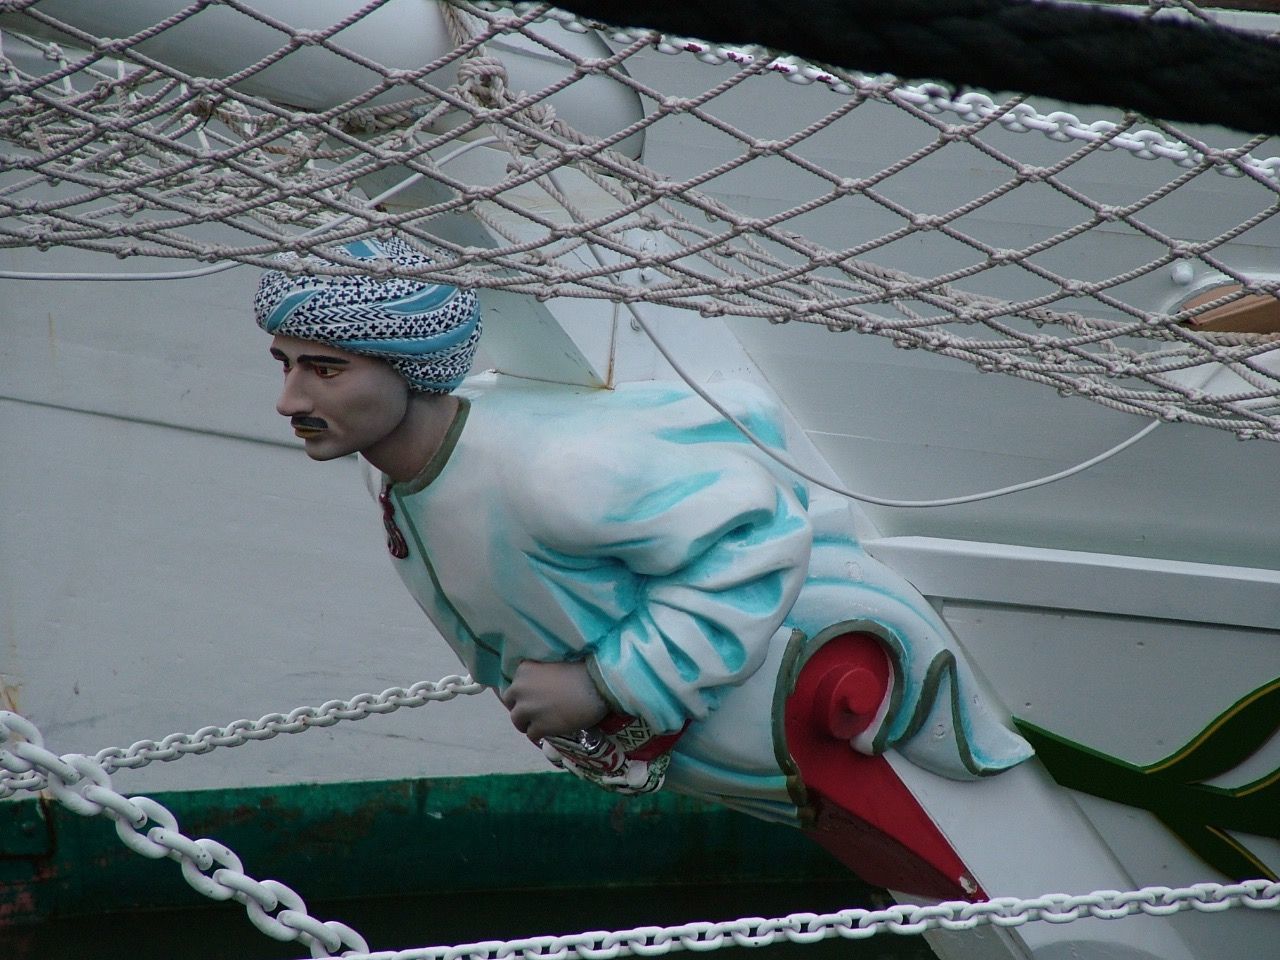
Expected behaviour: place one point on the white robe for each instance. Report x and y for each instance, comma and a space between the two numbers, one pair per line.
638, 531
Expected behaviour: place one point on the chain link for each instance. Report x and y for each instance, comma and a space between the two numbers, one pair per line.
932, 98
857, 924
83, 785
238, 732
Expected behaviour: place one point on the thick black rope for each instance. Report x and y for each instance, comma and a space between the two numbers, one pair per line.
1170, 69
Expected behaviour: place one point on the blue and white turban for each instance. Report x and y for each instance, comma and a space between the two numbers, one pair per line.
427, 332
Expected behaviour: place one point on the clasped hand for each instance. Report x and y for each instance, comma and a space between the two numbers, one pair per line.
553, 699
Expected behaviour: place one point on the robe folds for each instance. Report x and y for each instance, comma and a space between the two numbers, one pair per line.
637, 530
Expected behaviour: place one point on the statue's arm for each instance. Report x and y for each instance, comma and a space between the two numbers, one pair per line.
715, 549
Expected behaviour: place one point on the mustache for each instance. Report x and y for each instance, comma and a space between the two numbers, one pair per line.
315, 423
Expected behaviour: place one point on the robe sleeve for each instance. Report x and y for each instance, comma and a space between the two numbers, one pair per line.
707, 545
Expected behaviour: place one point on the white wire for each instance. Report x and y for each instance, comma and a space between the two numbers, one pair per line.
232, 264
159, 275
844, 491
866, 497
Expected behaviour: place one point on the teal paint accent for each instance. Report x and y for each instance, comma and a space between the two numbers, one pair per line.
660, 500
535, 833
870, 589
648, 395
612, 582
285, 308
722, 431
601, 573
801, 492
686, 668
941, 667
839, 542
644, 685
423, 300
364, 249
709, 546
631, 545
782, 521
763, 595
760, 597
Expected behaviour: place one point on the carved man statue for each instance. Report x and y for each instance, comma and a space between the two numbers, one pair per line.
656, 601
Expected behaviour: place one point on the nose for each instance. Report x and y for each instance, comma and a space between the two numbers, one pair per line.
293, 401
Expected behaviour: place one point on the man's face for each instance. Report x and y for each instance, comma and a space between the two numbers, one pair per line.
338, 402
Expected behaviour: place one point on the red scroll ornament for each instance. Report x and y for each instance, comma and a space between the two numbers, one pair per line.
864, 815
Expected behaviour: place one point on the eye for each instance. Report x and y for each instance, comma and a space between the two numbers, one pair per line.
325, 373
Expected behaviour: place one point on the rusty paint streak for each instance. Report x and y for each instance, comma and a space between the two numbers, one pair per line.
9, 694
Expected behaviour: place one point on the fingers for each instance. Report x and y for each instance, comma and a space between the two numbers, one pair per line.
528, 723
522, 718
552, 699
508, 699
524, 714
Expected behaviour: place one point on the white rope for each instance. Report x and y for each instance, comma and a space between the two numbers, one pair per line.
327, 227
54, 276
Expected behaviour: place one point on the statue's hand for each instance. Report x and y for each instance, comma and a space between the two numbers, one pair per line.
553, 699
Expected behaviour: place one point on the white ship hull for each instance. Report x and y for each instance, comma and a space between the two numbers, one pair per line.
170, 559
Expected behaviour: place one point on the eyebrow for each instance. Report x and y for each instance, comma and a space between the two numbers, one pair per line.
320, 358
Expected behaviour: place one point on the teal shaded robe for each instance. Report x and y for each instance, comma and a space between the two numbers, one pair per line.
640, 532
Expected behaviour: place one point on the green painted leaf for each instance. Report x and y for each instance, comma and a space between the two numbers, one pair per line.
1230, 739
1200, 815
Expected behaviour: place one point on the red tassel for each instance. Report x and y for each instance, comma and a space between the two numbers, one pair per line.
395, 539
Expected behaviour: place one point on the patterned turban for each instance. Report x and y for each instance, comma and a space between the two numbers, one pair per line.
426, 331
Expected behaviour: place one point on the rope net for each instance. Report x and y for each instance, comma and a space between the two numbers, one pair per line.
1110, 255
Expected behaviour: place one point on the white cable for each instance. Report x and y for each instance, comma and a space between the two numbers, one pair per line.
843, 491
159, 275
232, 264
866, 497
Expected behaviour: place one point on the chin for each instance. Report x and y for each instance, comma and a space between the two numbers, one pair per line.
322, 453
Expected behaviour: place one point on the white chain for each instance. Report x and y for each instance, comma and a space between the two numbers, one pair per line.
178, 745
83, 785
929, 97
857, 924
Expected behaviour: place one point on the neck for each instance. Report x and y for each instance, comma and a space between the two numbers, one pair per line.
405, 451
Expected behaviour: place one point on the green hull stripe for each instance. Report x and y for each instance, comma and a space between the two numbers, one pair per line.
399, 837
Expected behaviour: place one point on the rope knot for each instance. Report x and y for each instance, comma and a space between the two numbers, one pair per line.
484, 80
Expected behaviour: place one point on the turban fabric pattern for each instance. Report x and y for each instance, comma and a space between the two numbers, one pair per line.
427, 332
